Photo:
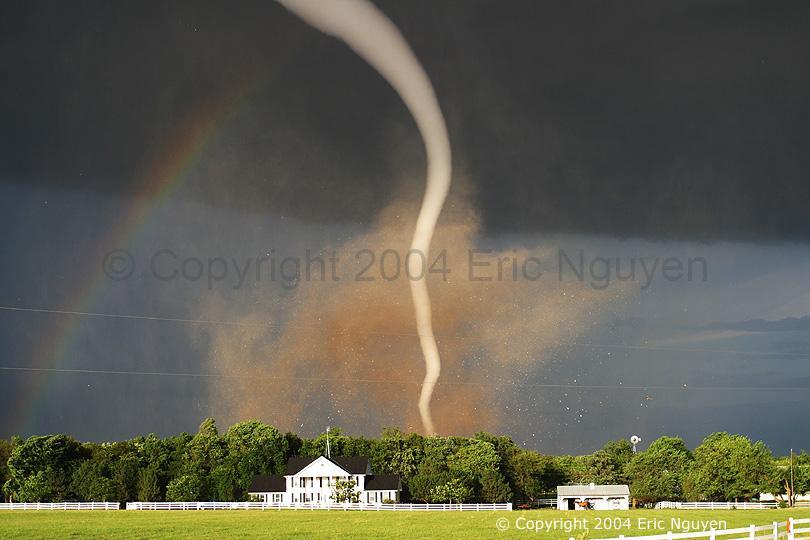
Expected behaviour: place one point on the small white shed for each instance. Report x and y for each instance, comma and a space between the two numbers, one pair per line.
594, 496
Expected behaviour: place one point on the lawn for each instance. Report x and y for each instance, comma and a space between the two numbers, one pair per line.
340, 524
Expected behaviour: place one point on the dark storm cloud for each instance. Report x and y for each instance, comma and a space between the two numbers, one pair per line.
664, 120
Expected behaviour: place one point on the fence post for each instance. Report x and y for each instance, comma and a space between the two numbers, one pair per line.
669, 535
712, 534
790, 533
753, 534
775, 530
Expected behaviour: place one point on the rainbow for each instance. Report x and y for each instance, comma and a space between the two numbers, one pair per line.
159, 184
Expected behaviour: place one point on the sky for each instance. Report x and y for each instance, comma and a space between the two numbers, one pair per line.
640, 166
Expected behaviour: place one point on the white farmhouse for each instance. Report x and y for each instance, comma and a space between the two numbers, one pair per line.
310, 480
596, 497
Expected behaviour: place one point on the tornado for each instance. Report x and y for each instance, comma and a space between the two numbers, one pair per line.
372, 35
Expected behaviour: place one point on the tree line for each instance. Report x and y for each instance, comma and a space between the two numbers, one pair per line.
210, 465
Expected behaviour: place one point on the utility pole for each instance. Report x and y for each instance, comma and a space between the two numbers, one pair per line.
792, 488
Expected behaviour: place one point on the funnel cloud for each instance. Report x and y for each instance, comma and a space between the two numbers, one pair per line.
375, 38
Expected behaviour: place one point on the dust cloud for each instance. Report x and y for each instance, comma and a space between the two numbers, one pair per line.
347, 352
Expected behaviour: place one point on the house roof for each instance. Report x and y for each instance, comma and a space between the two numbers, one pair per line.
350, 464
297, 463
353, 464
267, 483
378, 482
592, 490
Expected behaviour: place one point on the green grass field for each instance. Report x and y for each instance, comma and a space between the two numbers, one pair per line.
339, 524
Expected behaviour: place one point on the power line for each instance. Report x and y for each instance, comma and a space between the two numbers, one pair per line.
126, 316
396, 334
402, 382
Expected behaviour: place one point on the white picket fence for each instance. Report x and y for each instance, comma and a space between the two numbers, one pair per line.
785, 530
715, 505
61, 506
194, 505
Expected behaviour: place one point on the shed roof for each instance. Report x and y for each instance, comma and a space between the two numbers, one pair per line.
585, 490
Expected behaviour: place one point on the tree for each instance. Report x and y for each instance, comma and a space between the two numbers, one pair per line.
294, 443
606, 466
572, 468
657, 474
109, 473
187, 487
164, 459
432, 470
92, 483
41, 468
203, 453
472, 459
531, 474
453, 491
423, 483
148, 484
801, 476
494, 487
729, 467
5, 452
252, 448
124, 476
397, 453
224, 483
345, 491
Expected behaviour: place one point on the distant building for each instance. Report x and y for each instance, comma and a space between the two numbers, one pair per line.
768, 497
596, 497
310, 480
